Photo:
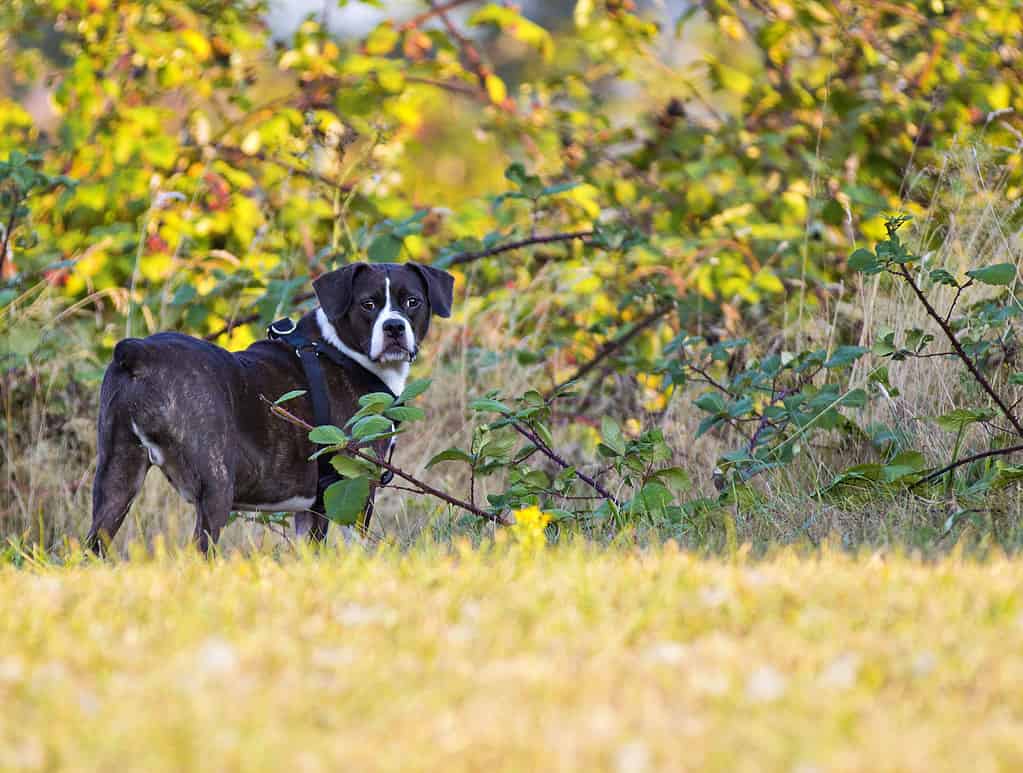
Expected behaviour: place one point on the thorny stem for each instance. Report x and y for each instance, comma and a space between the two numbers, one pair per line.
708, 378
960, 352
612, 346
960, 462
959, 291
468, 257
554, 457
472, 56
352, 448
435, 10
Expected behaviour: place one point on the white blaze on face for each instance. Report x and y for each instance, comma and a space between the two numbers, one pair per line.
393, 374
378, 338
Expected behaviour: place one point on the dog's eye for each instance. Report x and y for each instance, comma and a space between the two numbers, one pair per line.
411, 302
369, 305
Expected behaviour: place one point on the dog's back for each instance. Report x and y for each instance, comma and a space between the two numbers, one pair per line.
162, 400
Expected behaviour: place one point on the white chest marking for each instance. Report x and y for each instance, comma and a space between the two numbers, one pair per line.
155, 454
393, 374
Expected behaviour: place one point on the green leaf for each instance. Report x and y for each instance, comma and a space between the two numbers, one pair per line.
405, 413
537, 479
497, 448
997, 274
377, 400
351, 467
544, 433
652, 499
23, 339
371, 428
489, 405
346, 500
450, 455
905, 464
711, 402
413, 389
865, 261
289, 396
384, 249
676, 478
855, 398
612, 436
943, 277
328, 435
955, 421
845, 355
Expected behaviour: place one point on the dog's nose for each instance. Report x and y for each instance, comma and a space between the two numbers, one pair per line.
394, 328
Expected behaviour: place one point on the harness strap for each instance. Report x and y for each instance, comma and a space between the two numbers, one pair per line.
309, 352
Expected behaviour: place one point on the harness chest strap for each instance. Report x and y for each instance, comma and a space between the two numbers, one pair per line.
308, 352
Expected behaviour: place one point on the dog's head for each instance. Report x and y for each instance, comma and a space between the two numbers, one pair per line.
382, 311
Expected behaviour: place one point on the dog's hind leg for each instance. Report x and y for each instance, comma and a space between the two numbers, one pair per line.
212, 511
120, 471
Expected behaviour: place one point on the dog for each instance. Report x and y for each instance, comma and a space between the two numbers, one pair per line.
199, 412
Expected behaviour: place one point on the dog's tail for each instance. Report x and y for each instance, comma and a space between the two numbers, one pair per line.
130, 355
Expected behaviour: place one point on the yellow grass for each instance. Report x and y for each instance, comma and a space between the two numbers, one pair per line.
510, 658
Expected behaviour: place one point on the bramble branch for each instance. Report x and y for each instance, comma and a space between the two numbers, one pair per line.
435, 10
959, 351
353, 449
611, 347
966, 460
468, 257
533, 438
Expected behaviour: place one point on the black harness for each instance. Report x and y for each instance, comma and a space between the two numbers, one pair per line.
309, 352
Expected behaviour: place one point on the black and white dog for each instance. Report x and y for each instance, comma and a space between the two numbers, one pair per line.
197, 411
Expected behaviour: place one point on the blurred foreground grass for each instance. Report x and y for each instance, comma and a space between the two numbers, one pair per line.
501, 658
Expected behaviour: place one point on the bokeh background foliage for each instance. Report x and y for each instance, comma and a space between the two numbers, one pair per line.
178, 164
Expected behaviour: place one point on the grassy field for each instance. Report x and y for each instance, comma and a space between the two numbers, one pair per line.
514, 659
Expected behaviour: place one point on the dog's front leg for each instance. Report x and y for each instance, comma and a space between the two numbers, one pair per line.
312, 525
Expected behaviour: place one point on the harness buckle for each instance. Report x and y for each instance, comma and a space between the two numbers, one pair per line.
280, 329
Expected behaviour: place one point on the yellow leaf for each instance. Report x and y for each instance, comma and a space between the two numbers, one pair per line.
496, 89
391, 80
583, 12
382, 40
999, 95
732, 27
251, 144
199, 45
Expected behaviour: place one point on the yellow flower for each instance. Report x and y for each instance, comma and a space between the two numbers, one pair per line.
530, 523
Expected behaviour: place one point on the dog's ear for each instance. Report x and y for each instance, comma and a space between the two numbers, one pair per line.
440, 288
334, 289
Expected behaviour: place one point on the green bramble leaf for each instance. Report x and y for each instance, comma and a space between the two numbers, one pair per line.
328, 435
611, 435
346, 500
289, 396
999, 274
957, 420
864, 261
371, 428
405, 413
413, 389
351, 467
450, 455
943, 277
